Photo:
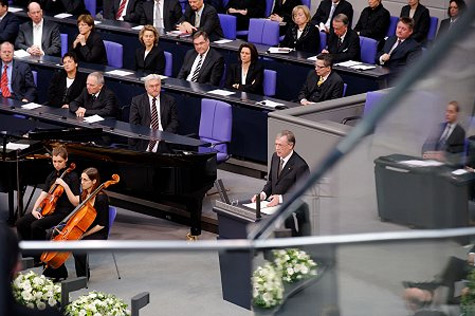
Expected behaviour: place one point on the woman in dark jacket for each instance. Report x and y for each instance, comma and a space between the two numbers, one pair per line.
248, 75
67, 84
303, 35
421, 17
88, 45
149, 59
244, 10
454, 11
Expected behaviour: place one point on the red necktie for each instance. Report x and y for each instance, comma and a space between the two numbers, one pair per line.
4, 83
121, 9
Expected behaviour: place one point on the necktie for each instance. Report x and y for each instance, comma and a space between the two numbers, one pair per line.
121, 9
4, 83
332, 10
320, 81
93, 98
281, 166
196, 73
444, 136
339, 43
197, 20
153, 122
157, 19
395, 46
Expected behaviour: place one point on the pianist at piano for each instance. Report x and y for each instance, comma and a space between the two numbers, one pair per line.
33, 225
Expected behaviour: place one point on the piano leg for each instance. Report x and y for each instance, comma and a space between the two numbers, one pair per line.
194, 204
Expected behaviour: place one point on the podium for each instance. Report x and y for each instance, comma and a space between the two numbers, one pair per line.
424, 197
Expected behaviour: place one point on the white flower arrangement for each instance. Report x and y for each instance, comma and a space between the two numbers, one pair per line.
97, 304
268, 290
36, 291
294, 264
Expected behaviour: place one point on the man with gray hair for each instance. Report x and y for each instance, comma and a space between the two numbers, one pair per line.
95, 98
154, 109
343, 43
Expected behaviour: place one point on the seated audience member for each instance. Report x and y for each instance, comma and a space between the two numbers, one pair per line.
327, 10
88, 45
244, 10
302, 35
74, 7
95, 98
16, 77
202, 64
201, 17
67, 84
321, 84
122, 10
421, 17
39, 36
282, 13
455, 10
248, 74
9, 24
150, 58
374, 21
286, 169
164, 14
153, 108
400, 49
343, 43
448, 138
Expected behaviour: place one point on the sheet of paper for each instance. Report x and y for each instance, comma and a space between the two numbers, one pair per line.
279, 50
223, 41
459, 172
21, 53
312, 58
97, 22
93, 119
63, 15
14, 10
221, 92
118, 72
270, 103
138, 27
14, 146
363, 67
30, 106
264, 208
349, 63
421, 163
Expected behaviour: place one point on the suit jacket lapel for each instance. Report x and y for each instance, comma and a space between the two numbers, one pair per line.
288, 166
148, 114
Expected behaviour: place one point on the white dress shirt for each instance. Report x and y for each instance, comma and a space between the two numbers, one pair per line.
195, 64
38, 34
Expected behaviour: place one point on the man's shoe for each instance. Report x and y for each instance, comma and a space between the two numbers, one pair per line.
191, 237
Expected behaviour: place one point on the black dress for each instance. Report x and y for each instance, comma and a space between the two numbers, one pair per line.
254, 78
255, 9
93, 52
309, 41
154, 63
58, 94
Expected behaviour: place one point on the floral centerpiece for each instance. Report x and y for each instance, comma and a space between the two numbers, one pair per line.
36, 291
97, 303
294, 264
268, 290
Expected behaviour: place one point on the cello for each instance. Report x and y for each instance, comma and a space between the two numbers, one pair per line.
48, 204
74, 226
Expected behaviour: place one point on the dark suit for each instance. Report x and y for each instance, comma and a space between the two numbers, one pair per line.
58, 94
454, 144
323, 11
211, 71
73, 7
254, 78
348, 50
209, 21
140, 112
421, 21
403, 54
255, 9
50, 39
105, 104
23, 85
131, 13
171, 13
309, 41
154, 63
332, 88
445, 25
93, 52
9, 28
285, 10
373, 23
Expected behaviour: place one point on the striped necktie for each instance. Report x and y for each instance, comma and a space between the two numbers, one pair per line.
196, 73
153, 122
121, 9
4, 83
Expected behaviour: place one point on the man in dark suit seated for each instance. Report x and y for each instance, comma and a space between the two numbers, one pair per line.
16, 77
39, 36
329, 9
401, 49
321, 84
374, 21
9, 24
202, 64
287, 168
201, 17
343, 42
95, 98
154, 109
448, 138
122, 10
166, 17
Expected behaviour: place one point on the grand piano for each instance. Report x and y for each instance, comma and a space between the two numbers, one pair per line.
169, 183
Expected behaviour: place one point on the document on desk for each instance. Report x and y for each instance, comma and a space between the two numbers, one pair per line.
270, 103
15, 146
14, 10
279, 50
459, 172
30, 106
268, 210
138, 27
63, 15
121, 73
97, 22
93, 119
21, 53
312, 58
363, 67
222, 41
421, 163
220, 92
349, 63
